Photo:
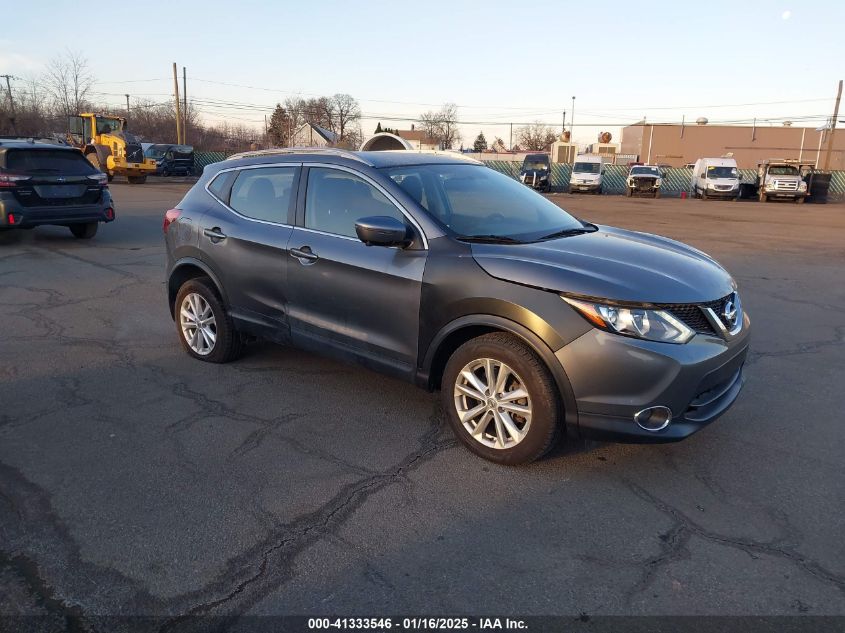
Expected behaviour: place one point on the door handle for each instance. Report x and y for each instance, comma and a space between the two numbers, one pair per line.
304, 255
214, 234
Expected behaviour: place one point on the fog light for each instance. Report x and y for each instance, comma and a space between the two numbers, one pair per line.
653, 418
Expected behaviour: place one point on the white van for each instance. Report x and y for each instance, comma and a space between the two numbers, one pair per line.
587, 174
715, 178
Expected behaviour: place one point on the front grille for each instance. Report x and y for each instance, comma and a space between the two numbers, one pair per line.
722, 187
134, 153
786, 185
692, 314
644, 184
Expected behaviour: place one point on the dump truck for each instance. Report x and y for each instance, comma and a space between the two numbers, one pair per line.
107, 145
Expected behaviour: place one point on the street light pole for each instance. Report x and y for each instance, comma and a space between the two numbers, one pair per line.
572, 129
832, 128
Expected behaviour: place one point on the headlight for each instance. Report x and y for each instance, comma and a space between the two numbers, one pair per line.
651, 325
802, 186
658, 182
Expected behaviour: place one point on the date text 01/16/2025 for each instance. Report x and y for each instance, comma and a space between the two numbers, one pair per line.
416, 624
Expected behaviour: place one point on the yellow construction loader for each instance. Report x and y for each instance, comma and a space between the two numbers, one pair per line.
109, 147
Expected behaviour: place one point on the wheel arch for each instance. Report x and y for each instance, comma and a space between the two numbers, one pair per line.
461, 330
185, 270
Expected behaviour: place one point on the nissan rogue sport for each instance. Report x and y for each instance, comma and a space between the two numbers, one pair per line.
447, 274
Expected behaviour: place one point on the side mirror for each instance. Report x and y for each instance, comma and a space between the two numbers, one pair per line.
383, 230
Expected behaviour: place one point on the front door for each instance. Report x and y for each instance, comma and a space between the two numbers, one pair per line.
352, 299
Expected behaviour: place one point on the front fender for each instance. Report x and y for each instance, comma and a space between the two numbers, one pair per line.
185, 268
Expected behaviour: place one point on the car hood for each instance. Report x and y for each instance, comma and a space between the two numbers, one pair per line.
611, 264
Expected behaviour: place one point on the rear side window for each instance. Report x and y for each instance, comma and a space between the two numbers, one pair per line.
264, 193
64, 162
222, 185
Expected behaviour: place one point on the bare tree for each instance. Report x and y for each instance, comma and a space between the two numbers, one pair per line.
68, 81
536, 137
346, 113
295, 107
442, 126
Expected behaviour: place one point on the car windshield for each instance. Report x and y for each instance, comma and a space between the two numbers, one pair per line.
155, 151
107, 126
721, 172
586, 168
476, 201
783, 170
650, 171
537, 165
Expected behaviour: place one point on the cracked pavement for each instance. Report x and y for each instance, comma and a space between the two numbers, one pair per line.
134, 480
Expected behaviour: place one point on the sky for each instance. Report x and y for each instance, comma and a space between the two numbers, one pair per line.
623, 61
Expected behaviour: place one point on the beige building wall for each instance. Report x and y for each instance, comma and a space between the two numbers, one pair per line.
676, 146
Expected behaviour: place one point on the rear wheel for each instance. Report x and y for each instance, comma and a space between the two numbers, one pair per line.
206, 330
84, 231
137, 180
500, 399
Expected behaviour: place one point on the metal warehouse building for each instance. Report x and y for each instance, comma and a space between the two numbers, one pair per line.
677, 145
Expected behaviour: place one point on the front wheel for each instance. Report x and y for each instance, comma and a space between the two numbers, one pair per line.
84, 231
500, 399
657, 193
800, 200
206, 330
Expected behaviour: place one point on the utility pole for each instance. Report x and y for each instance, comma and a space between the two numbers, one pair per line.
563, 126
11, 102
184, 106
178, 106
572, 129
832, 127
510, 145
127, 106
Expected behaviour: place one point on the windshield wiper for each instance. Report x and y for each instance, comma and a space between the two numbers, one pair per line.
588, 228
490, 239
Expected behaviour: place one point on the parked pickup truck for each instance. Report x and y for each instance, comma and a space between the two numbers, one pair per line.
781, 178
536, 172
644, 180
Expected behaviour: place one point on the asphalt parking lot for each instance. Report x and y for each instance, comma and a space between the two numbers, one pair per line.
134, 480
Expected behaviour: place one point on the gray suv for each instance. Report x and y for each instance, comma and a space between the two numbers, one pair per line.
450, 275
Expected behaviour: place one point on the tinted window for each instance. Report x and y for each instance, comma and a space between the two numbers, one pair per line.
337, 199
586, 168
222, 185
475, 200
263, 194
66, 162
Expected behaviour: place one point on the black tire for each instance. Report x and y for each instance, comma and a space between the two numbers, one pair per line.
228, 345
704, 194
136, 180
657, 193
800, 200
629, 192
110, 176
84, 231
535, 379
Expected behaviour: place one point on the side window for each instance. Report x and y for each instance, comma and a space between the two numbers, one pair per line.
222, 185
264, 193
337, 199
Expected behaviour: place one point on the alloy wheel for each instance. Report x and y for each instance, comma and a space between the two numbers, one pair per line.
198, 324
492, 403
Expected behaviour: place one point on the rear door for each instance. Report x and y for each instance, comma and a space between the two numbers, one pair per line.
56, 177
352, 299
244, 238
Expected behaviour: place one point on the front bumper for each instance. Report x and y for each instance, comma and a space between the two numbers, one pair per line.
613, 377
722, 193
584, 186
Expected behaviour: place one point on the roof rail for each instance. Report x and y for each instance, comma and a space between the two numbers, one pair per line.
333, 151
